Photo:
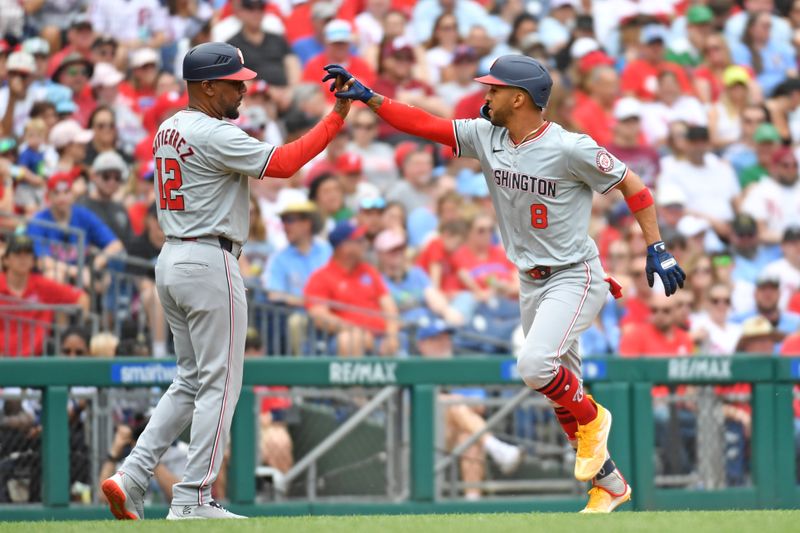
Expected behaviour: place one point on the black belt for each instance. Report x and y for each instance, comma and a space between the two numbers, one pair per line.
544, 272
224, 243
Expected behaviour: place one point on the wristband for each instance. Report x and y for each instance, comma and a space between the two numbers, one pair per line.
641, 200
111, 458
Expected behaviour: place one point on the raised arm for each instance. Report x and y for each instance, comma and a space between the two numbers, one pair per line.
406, 118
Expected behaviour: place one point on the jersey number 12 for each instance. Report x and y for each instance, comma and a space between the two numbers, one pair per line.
539, 216
168, 175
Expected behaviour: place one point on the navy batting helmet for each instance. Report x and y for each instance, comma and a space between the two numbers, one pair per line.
523, 72
215, 61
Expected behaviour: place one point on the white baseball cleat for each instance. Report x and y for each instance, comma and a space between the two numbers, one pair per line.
210, 511
125, 498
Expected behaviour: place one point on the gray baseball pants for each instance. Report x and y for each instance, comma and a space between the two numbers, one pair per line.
203, 296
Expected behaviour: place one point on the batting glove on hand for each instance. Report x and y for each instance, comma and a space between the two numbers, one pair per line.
358, 91
661, 262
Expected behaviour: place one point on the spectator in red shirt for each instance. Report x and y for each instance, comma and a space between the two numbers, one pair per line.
338, 41
436, 257
482, 266
140, 90
348, 298
661, 336
628, 141
594, 114
80, 38
640, 77
396, 80
22, 332
74, 72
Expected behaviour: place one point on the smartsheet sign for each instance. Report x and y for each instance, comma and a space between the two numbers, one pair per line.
352, 373
143, 372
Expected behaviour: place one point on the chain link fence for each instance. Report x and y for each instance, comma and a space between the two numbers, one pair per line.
702, 436
533, 456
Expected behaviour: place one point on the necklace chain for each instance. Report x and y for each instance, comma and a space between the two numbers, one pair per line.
534, 130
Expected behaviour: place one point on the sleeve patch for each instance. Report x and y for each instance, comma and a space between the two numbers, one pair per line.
604, 161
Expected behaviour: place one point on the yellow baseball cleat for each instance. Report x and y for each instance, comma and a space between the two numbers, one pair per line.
592, 440
604, 501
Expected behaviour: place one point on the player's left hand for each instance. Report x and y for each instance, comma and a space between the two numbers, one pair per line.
661, 262
355, 91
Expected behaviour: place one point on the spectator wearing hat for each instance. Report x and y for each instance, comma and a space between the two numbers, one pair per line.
669, 105
124, 127
416, 170
640, 77
594, 114
140, 89
774, 202
628, 141
767, 141
74, 72
56, 250
348, 167
370, 217
80, 37
759, 336
465, 69
396, 80
16, 98
40, 50
348, 298
25, 195
709, 183
108, 173
69, 141
660, 336
671, 203
24, 331
409, 285
140, 24
767, 296
787, 269
725, 115
306, 31
289, 269
272, 58
338, 49
771, 61
689, 34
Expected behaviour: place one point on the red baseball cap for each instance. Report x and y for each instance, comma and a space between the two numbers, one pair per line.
60, 181
348, 163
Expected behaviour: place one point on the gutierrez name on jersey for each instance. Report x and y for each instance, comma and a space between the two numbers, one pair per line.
523, 182
172, 137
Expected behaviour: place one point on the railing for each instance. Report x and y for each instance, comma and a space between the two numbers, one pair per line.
624, 386
25, 335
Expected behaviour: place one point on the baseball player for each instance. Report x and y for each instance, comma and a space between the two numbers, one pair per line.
541, 179
201, 179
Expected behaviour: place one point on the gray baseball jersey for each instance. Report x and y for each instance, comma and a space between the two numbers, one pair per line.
202, 169
541, 189
201, 176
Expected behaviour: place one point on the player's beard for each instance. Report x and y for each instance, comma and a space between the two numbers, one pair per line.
497, 118
232, 112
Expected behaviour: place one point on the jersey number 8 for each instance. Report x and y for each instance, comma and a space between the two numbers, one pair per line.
171, 170
539, 216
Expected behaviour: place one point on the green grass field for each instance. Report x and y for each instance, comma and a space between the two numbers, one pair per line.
678, 522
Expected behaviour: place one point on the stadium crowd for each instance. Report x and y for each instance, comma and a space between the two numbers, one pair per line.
385, 243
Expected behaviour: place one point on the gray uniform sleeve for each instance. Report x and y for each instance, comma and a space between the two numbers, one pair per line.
470, 134
594, 165
235, 151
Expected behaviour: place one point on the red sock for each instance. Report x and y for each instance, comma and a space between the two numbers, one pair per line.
566, 391
567, 421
